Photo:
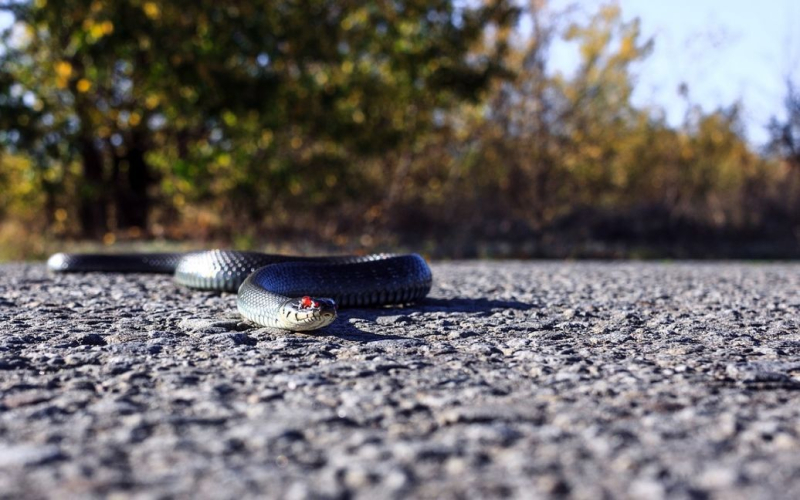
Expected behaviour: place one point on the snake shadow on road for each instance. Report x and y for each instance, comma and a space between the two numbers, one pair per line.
346, 330
466, 304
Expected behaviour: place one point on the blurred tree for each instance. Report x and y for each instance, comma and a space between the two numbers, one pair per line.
209, 92
557, 135
394, 122
785, 134
785, 144
549, 149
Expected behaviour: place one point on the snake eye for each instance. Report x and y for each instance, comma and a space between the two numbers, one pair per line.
306, 302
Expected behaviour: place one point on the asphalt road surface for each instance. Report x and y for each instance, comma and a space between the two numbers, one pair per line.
523, 379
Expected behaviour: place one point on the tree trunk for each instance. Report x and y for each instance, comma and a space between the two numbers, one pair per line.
92, 196
133, 203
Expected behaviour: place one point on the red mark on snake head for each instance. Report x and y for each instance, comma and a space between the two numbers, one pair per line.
306, 302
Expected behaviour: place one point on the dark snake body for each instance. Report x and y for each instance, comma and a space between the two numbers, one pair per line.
265, 282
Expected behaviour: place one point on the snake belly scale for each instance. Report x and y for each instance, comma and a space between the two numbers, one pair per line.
286, 292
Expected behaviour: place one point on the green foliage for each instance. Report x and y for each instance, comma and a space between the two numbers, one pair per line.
232, 98
388, 121
21, 207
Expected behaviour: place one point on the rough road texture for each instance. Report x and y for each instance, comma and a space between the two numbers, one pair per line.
528, 379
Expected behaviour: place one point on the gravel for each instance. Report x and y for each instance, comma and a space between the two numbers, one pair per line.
525, 379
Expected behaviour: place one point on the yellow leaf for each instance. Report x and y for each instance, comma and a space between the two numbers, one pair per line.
151, 101
266, 139
96, 31
84, 85
63, 69
151, 10
229, 118
627, 48
320, 77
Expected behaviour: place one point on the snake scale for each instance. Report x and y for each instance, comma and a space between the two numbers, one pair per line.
286, 292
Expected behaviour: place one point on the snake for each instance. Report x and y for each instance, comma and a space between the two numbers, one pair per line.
294, 293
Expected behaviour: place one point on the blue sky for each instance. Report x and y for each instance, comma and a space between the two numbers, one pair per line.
725, 50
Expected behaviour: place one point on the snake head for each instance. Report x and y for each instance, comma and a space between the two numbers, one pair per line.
307, 313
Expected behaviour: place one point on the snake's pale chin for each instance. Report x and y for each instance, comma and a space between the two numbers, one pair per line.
57, 262
312, 323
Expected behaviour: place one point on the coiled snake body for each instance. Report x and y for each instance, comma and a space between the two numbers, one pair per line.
291, 293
